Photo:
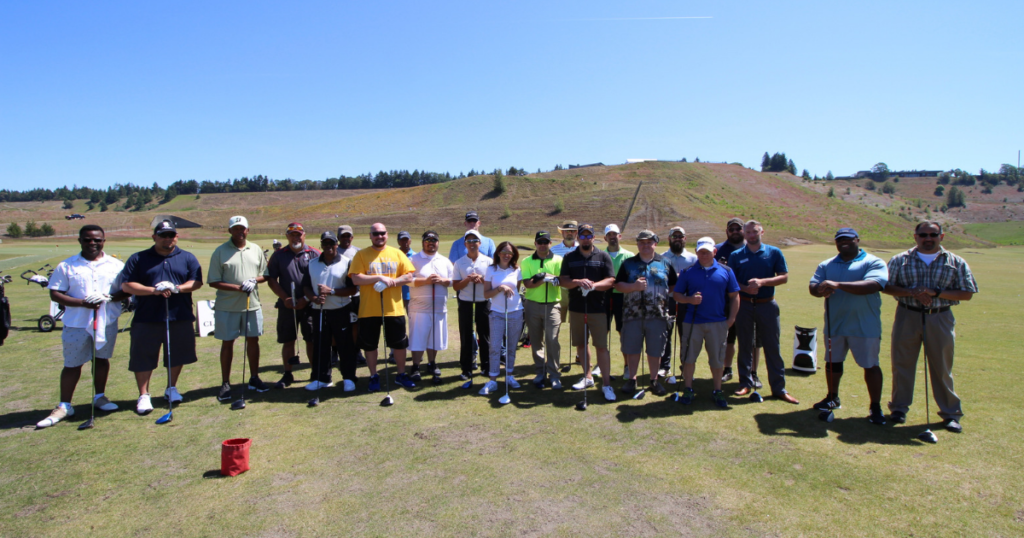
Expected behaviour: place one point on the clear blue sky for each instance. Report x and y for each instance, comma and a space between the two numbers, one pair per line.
95, 93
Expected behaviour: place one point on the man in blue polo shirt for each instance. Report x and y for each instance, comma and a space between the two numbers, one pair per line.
458, 249
710, 297
850, 284
759, 268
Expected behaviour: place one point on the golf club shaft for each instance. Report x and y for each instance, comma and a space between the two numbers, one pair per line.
245, 342
167, 327
384, 333
95, 332
924, 353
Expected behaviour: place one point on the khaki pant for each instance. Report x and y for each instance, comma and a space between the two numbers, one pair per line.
906, 345
543, 322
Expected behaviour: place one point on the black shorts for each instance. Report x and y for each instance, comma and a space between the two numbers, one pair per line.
148, 338
286, 324
394, 333
355, 307
615, 309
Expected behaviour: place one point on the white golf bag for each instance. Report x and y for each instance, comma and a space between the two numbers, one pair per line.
805, 350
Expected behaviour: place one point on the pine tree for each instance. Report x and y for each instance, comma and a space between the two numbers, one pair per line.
766, 162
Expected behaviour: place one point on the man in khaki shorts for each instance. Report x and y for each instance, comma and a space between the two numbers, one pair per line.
543, 312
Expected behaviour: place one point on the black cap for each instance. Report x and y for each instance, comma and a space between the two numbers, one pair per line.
586, 228
846, 232
542, 235
472, 216
431, 234
404, 235
164, 227
328, 236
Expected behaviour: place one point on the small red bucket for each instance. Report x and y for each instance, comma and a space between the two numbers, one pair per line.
234, 456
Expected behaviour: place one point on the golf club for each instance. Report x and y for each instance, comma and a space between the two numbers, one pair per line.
582, 406
167, 324
505, 399
388, 401
89, 424
828, 416
436, 379
686, 354
643, 358
320, 362
754, 396
927, 436
469, 382
240, 403
295, 316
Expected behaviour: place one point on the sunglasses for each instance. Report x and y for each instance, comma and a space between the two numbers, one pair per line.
543, 242
378, 234
505, 253
677, 236
928, 235
734, 229
431, 240
90, 240
586, 236
167, 235
472, 240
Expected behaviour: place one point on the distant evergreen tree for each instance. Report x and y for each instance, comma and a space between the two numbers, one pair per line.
766, 162
829, 176
790, 167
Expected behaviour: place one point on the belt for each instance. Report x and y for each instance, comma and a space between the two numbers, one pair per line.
925, 310
755, 300
540, 302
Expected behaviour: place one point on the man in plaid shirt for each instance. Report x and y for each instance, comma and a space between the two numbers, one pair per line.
926, 281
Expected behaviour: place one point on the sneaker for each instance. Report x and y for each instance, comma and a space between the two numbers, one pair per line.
488, 388
596, 371
171, 394
466, 376
583, 384
391, 357
286, 380
374, 385
727, 375
104, 404
256, 384
556, 384
757, 382
405, 381
144, 406
828, 404
318, 385
512, 383
348, 385
876, 417
657, 389
629, 387
687, 397
625, 373
719, 398
58, 414
662, 372
609, 393
435, 370
225, 393
898, 417
952, 425
415, 375
538, 381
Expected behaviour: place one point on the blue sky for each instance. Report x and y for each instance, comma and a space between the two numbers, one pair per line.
95, 93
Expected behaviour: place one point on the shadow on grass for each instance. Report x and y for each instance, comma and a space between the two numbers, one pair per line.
850, 430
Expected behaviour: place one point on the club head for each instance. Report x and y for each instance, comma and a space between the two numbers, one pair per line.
581, 406
504, 400
388, 401
674, 397
237, 405
436, 380
640, 395
87, 425
671, 380
756, 397
565, 369
826, 416
165, 419
294, 360
467, 385
926, 436
314, 402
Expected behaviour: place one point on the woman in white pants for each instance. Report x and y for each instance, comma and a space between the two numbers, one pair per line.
501, 286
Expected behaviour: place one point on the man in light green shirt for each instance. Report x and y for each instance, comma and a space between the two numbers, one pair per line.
543, 315
236, 268
612, 236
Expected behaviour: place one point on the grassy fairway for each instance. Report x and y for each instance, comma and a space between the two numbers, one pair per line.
448, 462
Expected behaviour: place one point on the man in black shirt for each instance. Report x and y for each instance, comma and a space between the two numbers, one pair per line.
734, 242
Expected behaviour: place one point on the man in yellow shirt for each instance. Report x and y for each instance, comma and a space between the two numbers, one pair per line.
380, 272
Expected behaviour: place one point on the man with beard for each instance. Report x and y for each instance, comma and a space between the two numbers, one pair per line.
612, 236
926, 281
734, 242
428, 307
680, 260
286, 267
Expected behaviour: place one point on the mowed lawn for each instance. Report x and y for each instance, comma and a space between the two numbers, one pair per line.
448, 462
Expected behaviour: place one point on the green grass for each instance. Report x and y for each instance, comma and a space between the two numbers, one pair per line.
1001, 233
448, 462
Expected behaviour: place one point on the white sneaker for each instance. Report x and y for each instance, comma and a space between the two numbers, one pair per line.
583, 384
556, 384
314, 385
662, 372
609, 394
488, 388
172, 394
512, 383
58, 414
144, 406
596, 371
349, 385
625, 373
102, 403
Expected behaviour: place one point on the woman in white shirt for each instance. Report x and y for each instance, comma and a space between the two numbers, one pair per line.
501, 286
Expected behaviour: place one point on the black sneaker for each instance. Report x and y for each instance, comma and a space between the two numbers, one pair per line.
256, 384
876, 417
727, 375
952, 425
757, 382
286, 380
898, 417
465, 376
629, 387
435, 370
828, 404
657, 389
225, 393
415, 375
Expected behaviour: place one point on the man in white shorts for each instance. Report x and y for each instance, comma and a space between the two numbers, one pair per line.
428, 305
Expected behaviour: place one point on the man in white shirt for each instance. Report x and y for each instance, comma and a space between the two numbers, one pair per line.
428, 305
474, 308
328, 289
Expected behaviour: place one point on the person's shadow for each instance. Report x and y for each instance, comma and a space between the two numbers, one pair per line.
853, 430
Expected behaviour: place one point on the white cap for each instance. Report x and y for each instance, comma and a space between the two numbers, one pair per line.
473, 233
236, 221
611, 228
706, 243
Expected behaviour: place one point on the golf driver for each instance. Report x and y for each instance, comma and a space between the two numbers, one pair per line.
388, 401
469, 382
505, 399
89, 424
643, 358
754, 396
582, 406
686, 353
828, 416
295, 316
320, 362
167, 324
240, 403
927, 436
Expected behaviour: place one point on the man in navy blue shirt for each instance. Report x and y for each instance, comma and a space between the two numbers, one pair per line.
162, 280
734, 241
759, 268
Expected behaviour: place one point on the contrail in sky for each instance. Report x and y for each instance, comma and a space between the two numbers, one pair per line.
639, 19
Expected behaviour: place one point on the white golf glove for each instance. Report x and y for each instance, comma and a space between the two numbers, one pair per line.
379, 287
551, 279
249, 285
97, 298
164, 286
584, 291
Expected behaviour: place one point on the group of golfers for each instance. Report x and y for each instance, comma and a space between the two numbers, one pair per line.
338, 300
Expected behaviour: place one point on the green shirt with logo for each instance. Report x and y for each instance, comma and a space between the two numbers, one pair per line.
533, 265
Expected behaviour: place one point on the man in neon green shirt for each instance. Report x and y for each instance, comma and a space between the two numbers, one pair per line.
543, 311
612, 236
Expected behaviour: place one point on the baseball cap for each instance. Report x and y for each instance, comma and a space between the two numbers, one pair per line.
846, 232
276, 242
328, 236
647, 234
471, 216
474, 233
677, 229
542, 236
165, 226
431, 234
568, 225
706, 243
295, 227
238, 221
404, 235
344, 229
734, 220
586, 228
611, 228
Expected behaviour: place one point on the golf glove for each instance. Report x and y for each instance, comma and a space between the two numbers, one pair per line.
379, 287
584, 291
538, 277
551, 279
249, 285
97, 298
164, 286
